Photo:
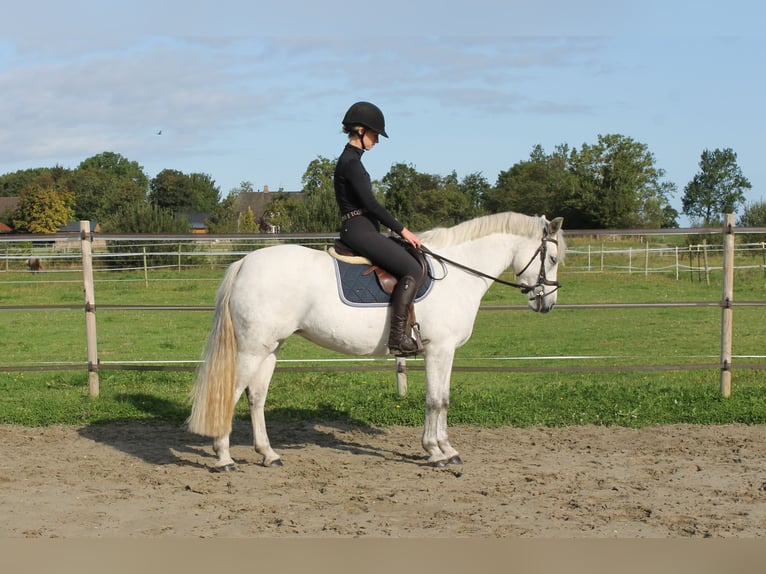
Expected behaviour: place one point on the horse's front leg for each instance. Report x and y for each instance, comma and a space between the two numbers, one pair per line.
435, 440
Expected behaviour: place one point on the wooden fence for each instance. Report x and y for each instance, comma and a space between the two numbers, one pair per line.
86, 240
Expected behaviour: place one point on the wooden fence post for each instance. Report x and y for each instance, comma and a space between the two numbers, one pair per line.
763, 254
602, 257
726, 304
146, 270
90, 307
401, 376
691, 264
646, 259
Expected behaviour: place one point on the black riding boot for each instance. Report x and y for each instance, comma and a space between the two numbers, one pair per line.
399, 342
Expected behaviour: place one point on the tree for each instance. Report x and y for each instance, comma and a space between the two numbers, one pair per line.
11, 184
176, 191
617, 186
475, 188
117, 165
280, 210
43, 209
318, 212
104, 182
246, 222
205, 192
223, 217
170, 189
753, 216
613, 183
540, 185
522, 188
718, 187
440, 207
401, 185
423, 201
141, 217
99, 193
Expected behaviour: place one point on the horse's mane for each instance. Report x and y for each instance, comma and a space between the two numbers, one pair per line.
507, 222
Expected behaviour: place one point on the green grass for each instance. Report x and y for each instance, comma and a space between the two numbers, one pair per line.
362, 399
640, 337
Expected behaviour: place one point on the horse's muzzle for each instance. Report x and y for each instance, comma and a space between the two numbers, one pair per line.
538, 300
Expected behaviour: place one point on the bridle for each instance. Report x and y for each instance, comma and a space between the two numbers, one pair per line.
542, 280
537, 290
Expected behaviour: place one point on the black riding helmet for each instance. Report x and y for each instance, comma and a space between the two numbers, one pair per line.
366, 115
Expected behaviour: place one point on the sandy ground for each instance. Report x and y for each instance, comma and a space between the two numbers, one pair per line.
152, 481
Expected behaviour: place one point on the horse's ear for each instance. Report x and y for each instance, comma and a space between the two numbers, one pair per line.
555, 225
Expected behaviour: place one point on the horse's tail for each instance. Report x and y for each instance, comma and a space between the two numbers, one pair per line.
214, 391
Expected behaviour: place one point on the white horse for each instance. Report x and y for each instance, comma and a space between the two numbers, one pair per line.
278, 291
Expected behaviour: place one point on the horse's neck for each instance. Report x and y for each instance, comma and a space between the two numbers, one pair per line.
492, 254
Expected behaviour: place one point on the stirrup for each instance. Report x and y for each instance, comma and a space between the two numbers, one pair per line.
417, 341
397, 351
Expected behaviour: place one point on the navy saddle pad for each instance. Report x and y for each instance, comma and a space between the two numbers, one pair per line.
364, 290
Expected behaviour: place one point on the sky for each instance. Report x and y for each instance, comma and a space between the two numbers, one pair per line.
246, 92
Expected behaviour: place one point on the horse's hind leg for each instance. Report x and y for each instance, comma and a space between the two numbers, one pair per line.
256, 390
253, 378
221, 448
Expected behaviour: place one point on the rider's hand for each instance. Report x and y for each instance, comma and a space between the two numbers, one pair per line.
410, 238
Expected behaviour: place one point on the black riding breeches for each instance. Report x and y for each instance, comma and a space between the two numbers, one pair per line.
363, 236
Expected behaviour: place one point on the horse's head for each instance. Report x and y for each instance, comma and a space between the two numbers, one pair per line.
540, 274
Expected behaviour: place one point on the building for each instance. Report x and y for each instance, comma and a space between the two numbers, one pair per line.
259, 202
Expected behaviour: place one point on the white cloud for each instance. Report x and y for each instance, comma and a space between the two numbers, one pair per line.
261, 107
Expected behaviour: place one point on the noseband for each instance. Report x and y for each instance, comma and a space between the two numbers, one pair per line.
538, 289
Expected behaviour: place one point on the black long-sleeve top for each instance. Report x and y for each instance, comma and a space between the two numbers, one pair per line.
353, 189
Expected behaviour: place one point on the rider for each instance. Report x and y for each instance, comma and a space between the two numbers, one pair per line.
362, 215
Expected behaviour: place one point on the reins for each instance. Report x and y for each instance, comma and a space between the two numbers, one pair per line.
443, 259
525, 288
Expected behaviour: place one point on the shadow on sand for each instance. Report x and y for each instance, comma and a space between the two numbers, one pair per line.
157, 441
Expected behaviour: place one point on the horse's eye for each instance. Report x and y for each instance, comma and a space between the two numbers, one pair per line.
553, 259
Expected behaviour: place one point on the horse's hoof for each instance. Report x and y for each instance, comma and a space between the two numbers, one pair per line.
274, 463
439, 463
455, 460
231, 467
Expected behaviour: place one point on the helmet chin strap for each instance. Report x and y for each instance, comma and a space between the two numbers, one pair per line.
361, 134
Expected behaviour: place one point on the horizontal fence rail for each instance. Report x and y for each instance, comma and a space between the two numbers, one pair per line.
62, 254
357, 364
481, 308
